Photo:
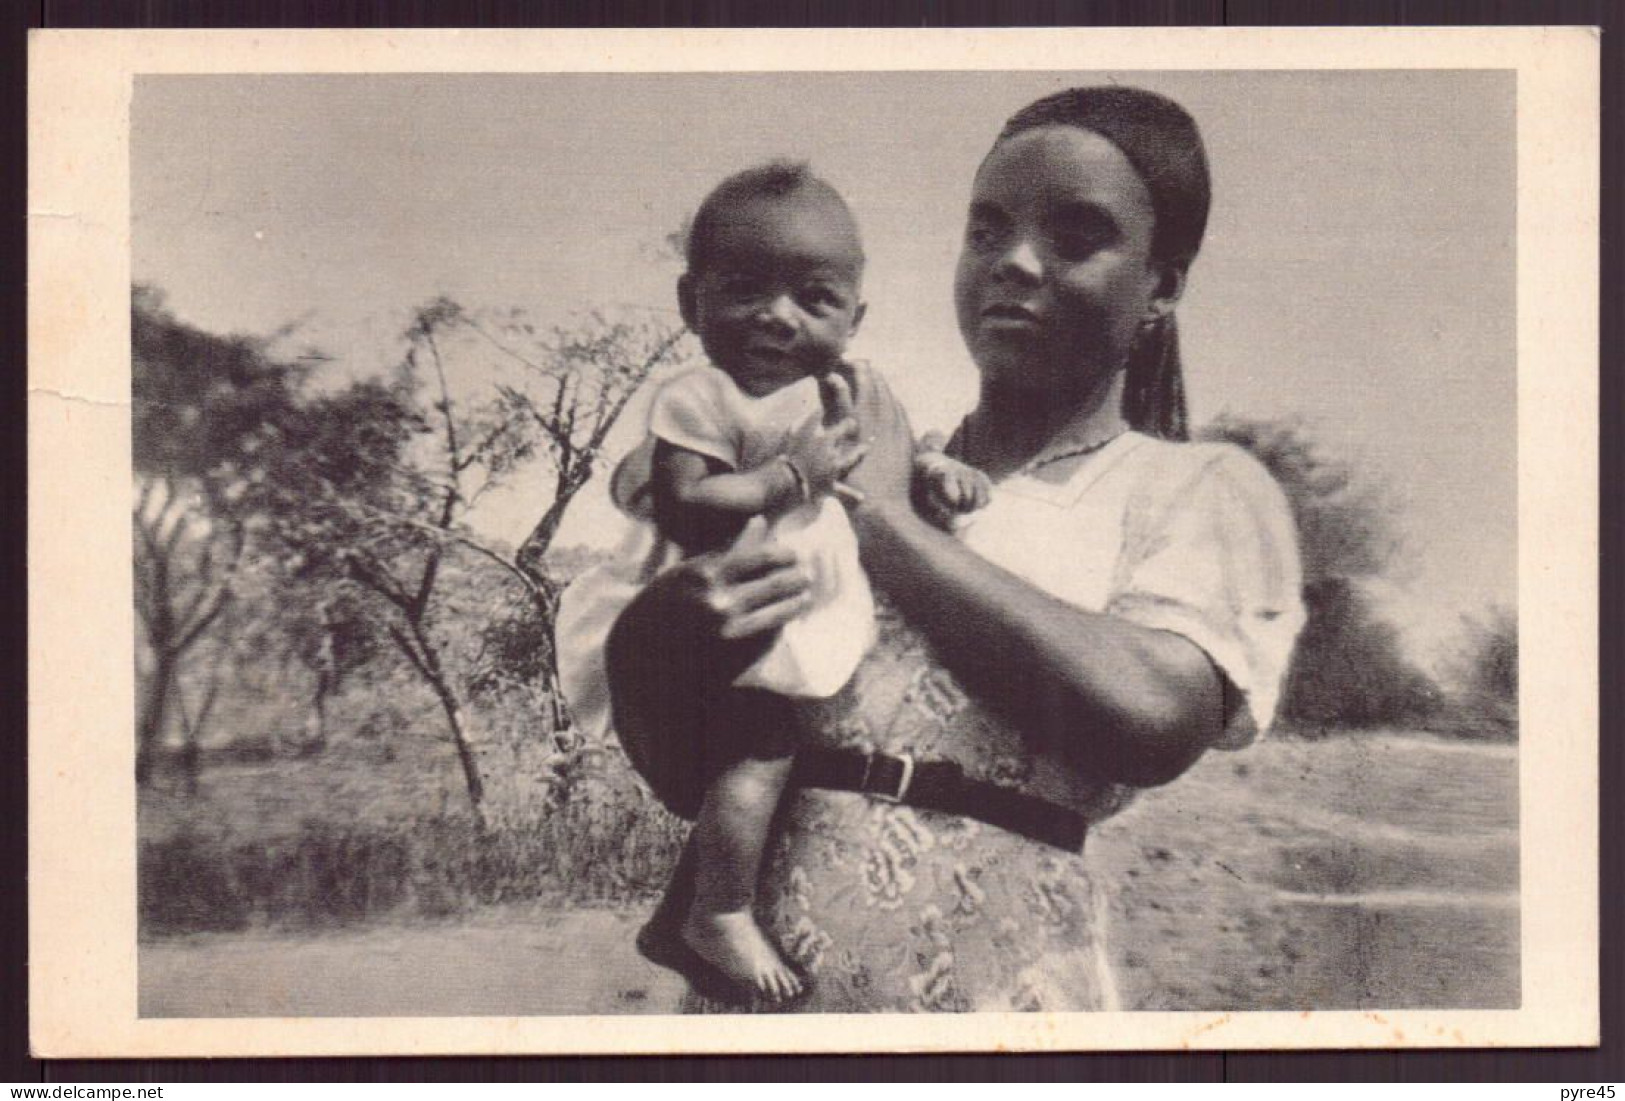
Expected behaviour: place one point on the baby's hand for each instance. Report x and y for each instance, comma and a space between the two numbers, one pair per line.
821, 454
946, 489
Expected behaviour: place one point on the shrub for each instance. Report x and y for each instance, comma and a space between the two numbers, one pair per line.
581, 851
1483, 678
184, 885
1350, 668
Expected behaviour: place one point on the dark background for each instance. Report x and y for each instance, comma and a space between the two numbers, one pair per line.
1585, 1066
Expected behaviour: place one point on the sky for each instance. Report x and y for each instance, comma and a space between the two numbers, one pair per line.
1358, 272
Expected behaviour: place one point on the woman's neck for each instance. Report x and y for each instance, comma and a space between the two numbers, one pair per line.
1010, 429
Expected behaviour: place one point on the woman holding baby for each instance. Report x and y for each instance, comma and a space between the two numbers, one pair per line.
1124, 602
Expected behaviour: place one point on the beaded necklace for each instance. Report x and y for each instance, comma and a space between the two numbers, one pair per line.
957, 448
1073, 453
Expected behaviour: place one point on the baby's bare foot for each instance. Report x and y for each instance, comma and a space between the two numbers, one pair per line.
734, 944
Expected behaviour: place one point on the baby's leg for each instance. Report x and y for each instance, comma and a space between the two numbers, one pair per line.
730, 833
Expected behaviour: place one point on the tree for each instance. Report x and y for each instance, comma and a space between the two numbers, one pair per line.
1349, 668
323, 629
559, 394
572, 387
207, 414
357, 519
384, 494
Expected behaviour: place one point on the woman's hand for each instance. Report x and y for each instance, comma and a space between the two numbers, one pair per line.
749, 588
682, 641
880, 426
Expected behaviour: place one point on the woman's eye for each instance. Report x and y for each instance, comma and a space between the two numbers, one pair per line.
1078, 236
1080, 245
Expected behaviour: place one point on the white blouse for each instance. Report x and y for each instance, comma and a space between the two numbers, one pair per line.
1194, 538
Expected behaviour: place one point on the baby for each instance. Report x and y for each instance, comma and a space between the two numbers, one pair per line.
773, 291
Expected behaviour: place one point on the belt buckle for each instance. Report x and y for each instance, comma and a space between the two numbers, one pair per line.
904, 760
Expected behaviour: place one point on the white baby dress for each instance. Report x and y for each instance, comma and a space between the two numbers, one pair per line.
703, 411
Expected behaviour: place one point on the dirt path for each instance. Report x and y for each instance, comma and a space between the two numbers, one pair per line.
505, 963
1373, 873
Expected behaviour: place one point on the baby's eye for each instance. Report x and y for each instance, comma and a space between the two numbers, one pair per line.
822, 298
735, 285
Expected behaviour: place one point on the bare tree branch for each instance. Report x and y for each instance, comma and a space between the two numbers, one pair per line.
195, 632
378, 580
404, 643
460, 538
479, 329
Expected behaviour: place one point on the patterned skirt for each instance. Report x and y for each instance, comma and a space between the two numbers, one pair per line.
890, 908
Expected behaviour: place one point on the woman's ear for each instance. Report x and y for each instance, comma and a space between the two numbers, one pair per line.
685, 299
1165, 296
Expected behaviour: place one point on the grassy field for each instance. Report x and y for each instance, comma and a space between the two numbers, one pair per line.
1361, 871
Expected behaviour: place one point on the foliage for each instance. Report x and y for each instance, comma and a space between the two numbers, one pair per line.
1483, 676
513, 647
337, 523
1350, 668
328, 632
203, 407
374, 825
209, 416
1345, 525
598, 841
570, 387
375, 505
367, 521
1492, 656
515, 642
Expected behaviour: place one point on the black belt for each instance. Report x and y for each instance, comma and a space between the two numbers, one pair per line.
940, 786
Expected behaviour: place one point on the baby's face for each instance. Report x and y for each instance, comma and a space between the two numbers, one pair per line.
778, 298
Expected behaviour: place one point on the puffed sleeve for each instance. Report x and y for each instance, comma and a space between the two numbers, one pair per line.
1214, 557
692, 412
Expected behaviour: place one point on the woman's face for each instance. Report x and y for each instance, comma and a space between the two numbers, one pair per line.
1056, 275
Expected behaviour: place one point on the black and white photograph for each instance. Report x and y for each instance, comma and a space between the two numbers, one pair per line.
1003, 540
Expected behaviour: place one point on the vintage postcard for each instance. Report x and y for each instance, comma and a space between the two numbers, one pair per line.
1063, 532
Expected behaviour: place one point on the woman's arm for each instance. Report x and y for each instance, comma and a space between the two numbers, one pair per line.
1128, 703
